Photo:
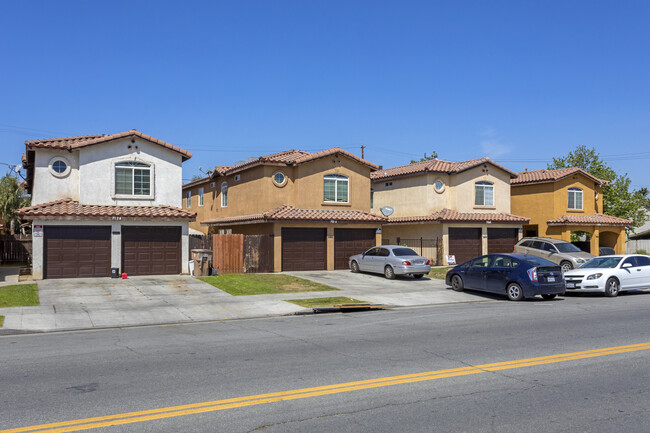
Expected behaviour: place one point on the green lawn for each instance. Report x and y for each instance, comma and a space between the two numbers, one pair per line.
439, 273
263, 284
19, 295
325, 302
2, 321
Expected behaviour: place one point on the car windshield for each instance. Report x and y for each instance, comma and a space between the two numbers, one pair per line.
602, 262
401, 252
538, 261
567, 248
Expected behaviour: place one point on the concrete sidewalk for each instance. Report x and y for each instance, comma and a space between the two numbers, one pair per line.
88, 303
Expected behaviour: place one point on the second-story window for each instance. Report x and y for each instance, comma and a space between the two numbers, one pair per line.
335, 188
200, 196
224, 194
575, 198
188, 199
132, 178
483, 194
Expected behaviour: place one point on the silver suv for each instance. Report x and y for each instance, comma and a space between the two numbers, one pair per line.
564, 253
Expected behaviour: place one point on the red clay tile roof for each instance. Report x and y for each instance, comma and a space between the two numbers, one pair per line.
71, 143
290, 213
435, 166
69, 209
448, 215
544, 175
288, 158
589, 220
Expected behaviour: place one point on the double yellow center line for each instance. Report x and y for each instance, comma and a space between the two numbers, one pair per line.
210, 406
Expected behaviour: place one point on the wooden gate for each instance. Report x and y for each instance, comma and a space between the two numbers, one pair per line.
227, 253
258, 253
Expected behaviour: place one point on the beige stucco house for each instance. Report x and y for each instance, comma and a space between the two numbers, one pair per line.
315, 206
465, 206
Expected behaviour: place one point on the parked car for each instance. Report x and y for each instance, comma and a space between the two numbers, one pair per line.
610, 274
606, 251
563, 253
391, 260
517, 276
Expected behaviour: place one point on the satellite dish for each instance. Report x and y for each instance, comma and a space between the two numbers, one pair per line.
387, 211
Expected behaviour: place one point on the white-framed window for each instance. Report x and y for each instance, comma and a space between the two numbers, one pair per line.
224, 194
59, 166
279, 179
575, 198
335, 188
483, 194
188, 199
132, 178
200, 196
439, 186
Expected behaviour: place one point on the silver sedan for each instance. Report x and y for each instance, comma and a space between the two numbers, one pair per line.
391, 260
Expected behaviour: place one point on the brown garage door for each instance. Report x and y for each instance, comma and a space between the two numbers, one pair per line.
501, 240
151, 250
304, 249
348, 242
75, 252
464, 243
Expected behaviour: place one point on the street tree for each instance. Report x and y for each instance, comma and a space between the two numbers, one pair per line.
618, 199
12, 198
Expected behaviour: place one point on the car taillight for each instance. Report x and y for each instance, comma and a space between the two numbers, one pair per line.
428, 262
406, 262
532, 274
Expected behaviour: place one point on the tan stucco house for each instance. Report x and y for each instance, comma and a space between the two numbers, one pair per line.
465, 205
562, 201
315, 206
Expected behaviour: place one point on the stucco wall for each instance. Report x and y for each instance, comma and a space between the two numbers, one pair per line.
48, 187
464, 189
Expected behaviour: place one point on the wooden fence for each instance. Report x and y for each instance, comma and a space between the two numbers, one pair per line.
199, 242
235, 253
16, 249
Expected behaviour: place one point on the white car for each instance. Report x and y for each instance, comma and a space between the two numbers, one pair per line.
610, 274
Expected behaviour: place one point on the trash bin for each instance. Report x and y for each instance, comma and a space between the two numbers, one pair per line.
202, 262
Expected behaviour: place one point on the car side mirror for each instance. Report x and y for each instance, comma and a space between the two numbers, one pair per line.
626, 265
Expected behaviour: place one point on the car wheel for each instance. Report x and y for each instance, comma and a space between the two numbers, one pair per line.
418, 275
389, 272
566, 266
354, 267
611, 287
549, 296
457, 283
514, 292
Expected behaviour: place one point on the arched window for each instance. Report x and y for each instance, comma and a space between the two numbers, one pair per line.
483, 194
335, 188
575, 198
132, 178
224, 194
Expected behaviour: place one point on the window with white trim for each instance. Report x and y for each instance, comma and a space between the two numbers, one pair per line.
224, 194
575, 198
132, 178
188, 199
200, 196
335, 188
483, 194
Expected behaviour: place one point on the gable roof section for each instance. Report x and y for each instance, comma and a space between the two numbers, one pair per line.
545, 176
589, 220
73, 143
448, 216
435, 166
290, 213
67, 209
289, 158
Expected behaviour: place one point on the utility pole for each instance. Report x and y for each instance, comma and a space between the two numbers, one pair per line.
362, 147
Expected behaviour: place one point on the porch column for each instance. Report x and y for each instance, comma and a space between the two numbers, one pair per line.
620, 242
445, 243
595, 241
330, 247
484, 239
277, 248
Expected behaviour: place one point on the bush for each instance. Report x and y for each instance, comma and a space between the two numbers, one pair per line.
641, 252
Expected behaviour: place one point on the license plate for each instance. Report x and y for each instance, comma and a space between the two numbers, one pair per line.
550, 279
418, 262
570, 285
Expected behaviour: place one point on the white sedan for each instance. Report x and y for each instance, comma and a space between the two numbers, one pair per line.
610, 274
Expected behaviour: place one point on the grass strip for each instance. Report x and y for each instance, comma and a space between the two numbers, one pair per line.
263, 284
325, 302
19, 295
439, 273
2, 321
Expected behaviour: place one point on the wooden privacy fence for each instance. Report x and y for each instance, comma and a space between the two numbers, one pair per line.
236, 253
429, 248
199, 242
16, 249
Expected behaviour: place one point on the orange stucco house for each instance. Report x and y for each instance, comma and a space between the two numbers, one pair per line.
562, 201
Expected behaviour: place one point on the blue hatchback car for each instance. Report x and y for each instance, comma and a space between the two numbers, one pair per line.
518, 276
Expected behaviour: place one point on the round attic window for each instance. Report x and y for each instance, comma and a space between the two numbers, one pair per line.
59, 166
279, 179
439, 186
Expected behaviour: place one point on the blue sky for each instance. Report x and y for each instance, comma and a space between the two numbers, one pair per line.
520, 82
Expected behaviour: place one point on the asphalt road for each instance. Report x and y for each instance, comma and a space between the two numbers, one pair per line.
77, 376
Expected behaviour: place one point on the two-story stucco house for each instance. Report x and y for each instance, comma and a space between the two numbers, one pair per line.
315, 206
465, 204
562, 201
106, 201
